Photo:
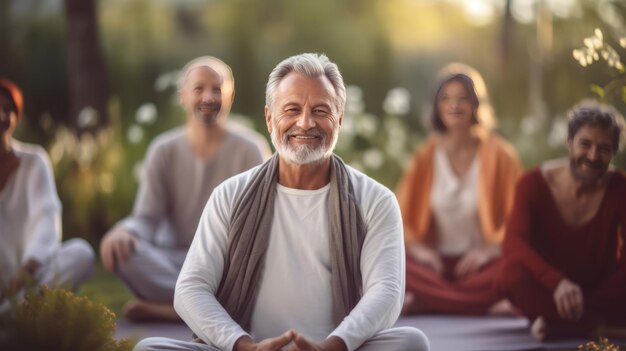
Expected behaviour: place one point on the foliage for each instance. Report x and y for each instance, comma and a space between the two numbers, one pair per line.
603, 344
596, 48
378, 45
57, 320
97, 173
106, 288
613, 91
94, 174
378, 146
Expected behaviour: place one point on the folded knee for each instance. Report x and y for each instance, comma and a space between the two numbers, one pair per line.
80, 250
148, 344
512, 274
413, 339
79, 257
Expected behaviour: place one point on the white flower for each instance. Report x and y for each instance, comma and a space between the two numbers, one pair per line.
397, 101
373, 158
166, 80
87, 117
146, 114
354, 100
134, 134
365, 125
558, 133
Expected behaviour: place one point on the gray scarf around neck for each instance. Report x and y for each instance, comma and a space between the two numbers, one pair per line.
249, 235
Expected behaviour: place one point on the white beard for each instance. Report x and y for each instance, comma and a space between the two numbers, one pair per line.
303, 154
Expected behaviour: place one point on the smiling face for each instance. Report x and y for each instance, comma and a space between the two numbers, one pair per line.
201, 95
454, 105
303, 120
590, 152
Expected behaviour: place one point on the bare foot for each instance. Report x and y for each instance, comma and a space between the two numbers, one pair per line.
146, 311
538, 329
503, 307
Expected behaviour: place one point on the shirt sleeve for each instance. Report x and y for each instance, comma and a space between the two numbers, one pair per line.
383, 270
519, 231
151, 202
200, 276
44, 207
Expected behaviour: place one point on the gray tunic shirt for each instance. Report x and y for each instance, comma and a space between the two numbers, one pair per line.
176, 184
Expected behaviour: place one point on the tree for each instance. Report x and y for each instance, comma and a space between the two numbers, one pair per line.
88, 83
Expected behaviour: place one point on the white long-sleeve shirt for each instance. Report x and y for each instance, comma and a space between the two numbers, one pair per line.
295, 288
30, 212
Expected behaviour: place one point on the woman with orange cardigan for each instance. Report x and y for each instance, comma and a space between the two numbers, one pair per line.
455, 196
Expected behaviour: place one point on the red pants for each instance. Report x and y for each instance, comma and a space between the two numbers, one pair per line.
517, 283
471, 295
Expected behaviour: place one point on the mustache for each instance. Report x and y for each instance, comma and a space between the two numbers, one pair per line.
590, 163
311, 132
210, 105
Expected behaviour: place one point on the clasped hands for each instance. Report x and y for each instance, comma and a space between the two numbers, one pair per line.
292, 341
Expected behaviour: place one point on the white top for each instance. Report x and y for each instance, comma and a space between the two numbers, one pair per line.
176, 184
295, 289
454, 203
30, 212
299, 249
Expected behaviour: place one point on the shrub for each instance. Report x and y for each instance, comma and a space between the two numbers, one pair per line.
57, 320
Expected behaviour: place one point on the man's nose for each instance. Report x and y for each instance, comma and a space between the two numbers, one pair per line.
208, 96
306, 120
593, 153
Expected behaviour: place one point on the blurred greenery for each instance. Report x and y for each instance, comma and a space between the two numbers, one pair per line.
387, 50
57, 320
107, 289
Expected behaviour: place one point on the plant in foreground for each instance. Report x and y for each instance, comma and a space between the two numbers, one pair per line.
57, 320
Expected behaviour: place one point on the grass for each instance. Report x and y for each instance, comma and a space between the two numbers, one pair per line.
106, 288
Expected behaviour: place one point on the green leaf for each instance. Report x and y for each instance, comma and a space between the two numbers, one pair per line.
598, 90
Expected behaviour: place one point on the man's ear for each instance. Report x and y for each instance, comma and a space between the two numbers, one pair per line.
569, 145
268, 119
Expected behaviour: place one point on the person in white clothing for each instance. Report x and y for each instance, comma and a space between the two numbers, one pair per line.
302, 252
31, 252
182, 167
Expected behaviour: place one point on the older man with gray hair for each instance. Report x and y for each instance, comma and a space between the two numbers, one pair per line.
182, 167
302, 252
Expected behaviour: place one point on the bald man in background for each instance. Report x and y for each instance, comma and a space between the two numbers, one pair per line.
182, 167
